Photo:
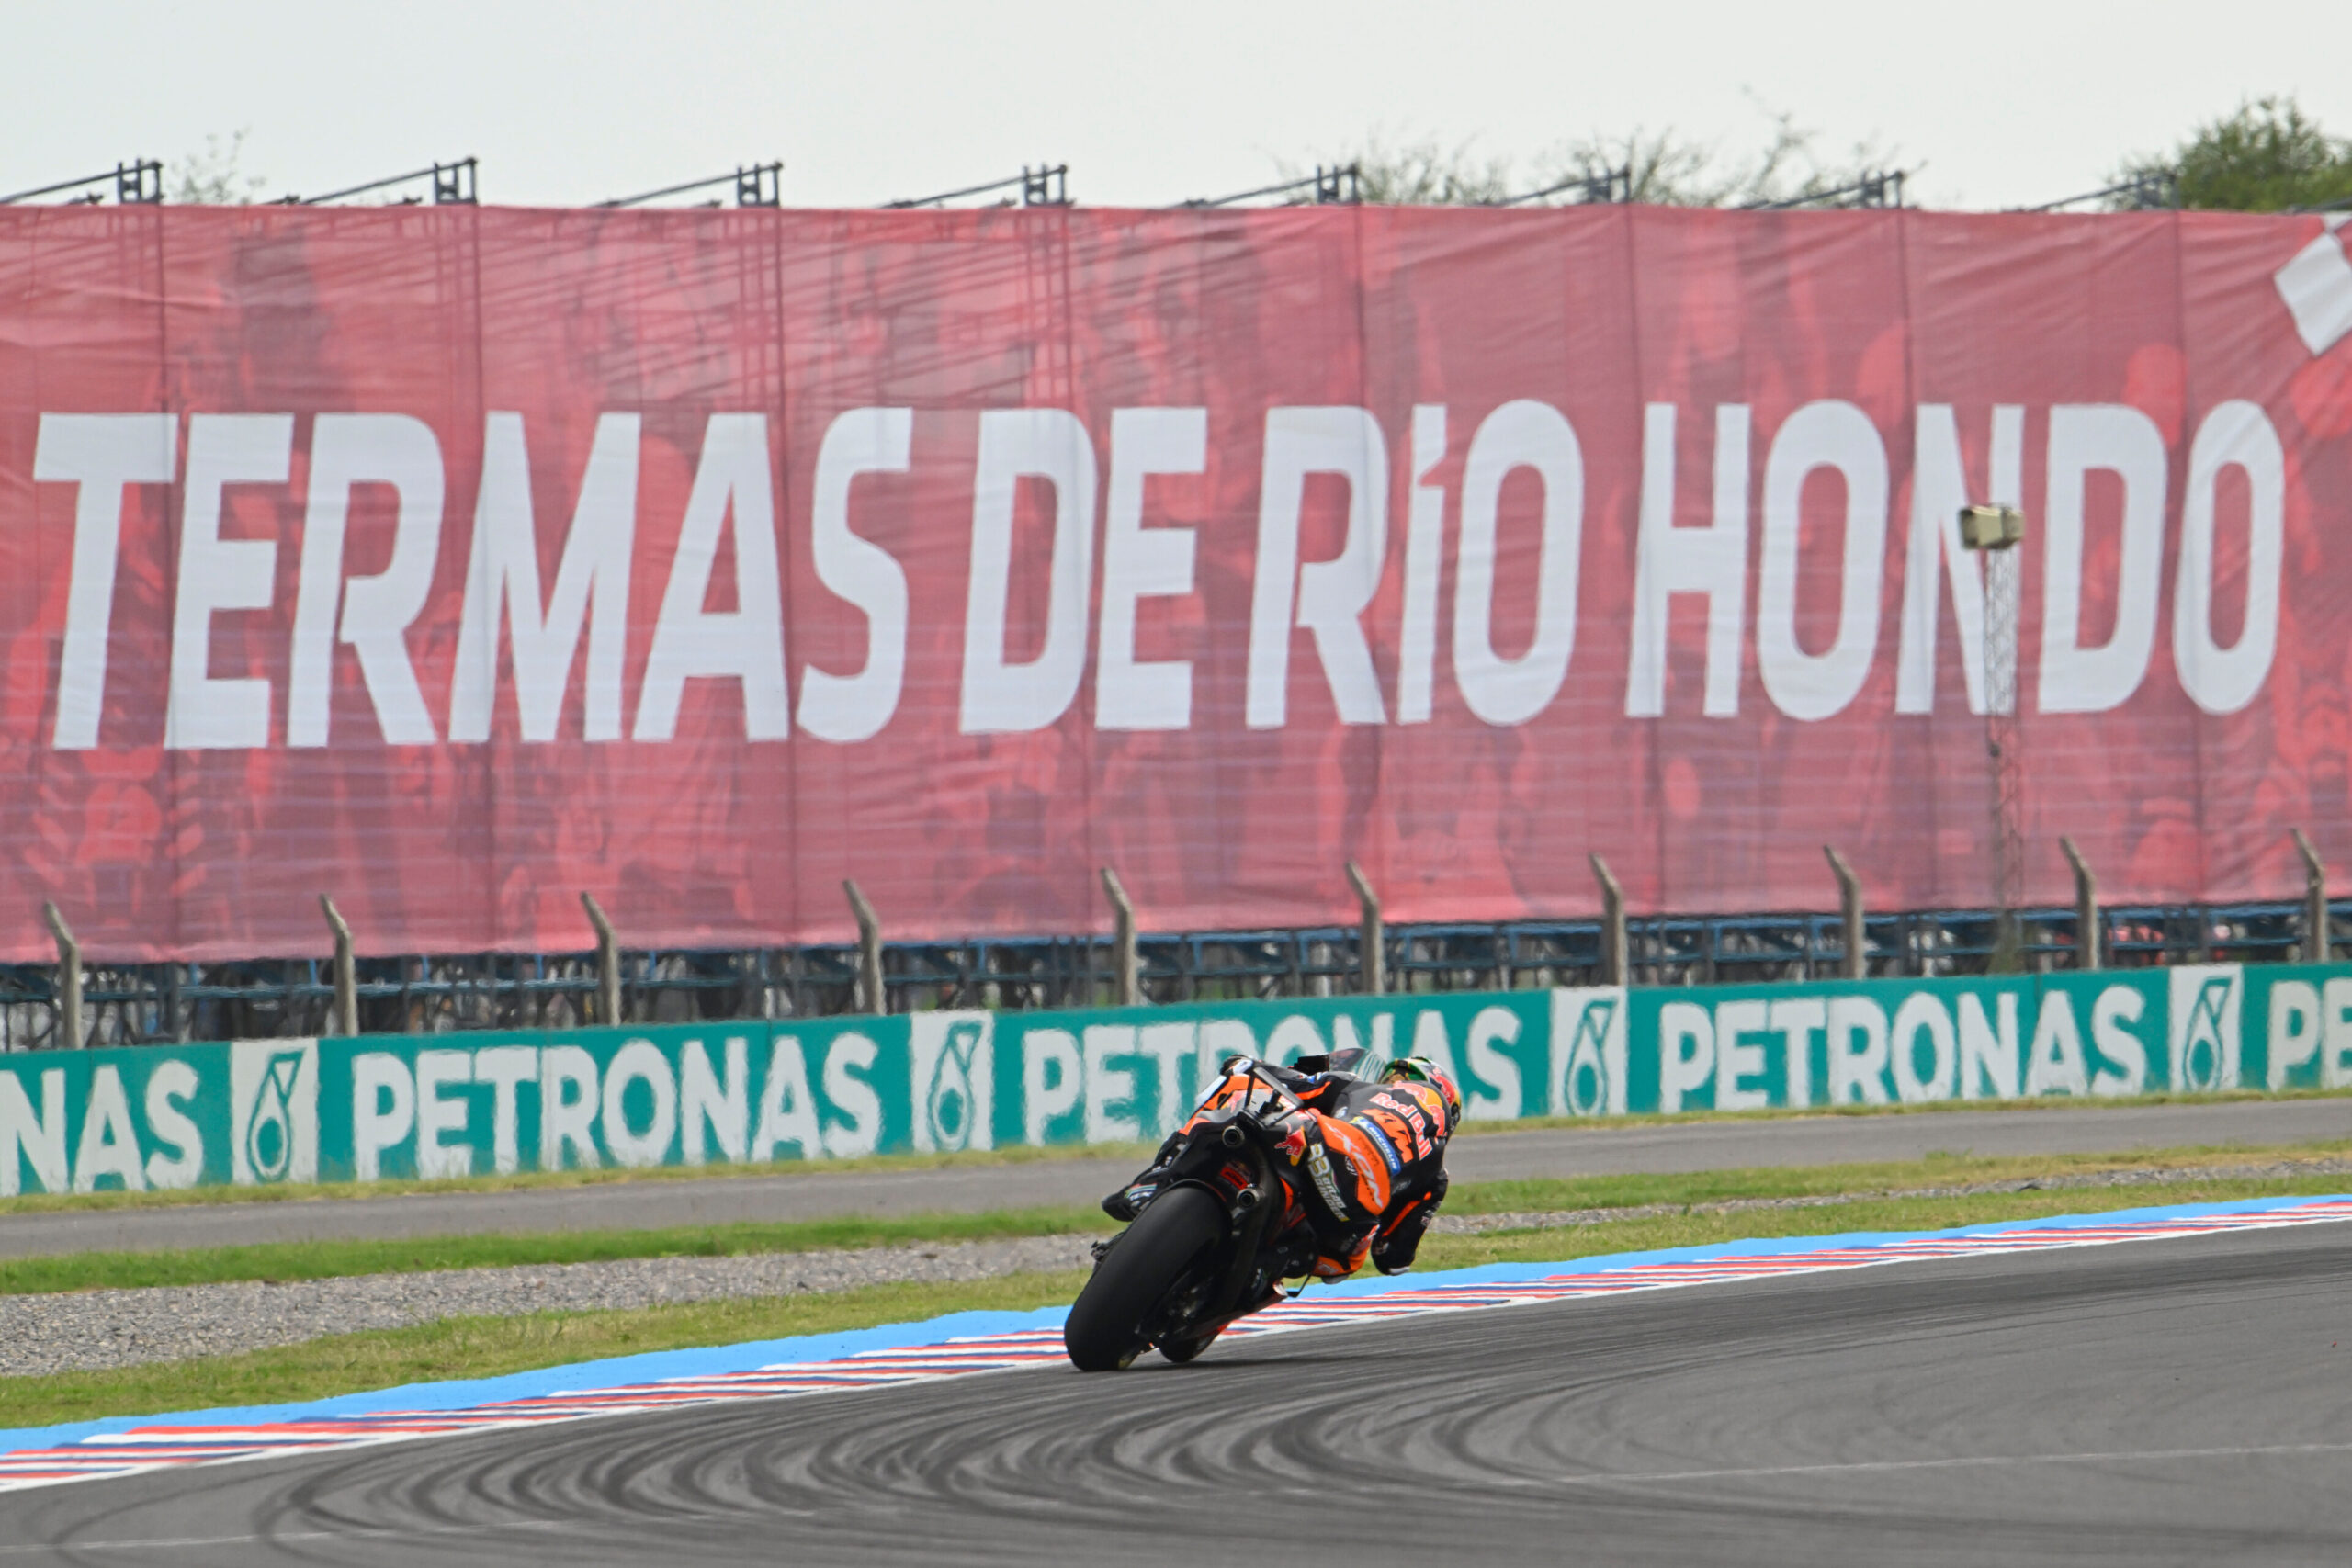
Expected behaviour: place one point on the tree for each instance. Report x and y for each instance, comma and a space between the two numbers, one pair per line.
1429, 173
1662, 167
1418, 174
1669, 170
215, 176
2267, 157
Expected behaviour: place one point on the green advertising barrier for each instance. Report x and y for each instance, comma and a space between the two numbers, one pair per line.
376, 1107
390, 1106
2194, 1029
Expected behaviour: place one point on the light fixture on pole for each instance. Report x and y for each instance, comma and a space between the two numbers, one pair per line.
1996, 531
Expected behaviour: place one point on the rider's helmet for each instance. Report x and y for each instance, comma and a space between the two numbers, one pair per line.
1420, 1069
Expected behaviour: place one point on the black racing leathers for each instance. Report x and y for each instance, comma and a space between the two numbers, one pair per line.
1368, 1162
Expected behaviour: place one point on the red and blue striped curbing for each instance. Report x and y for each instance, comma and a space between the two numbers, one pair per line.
916, 1352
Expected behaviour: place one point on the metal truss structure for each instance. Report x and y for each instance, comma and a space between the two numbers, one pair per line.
756, 184
139, 181
161, 1003
759, 184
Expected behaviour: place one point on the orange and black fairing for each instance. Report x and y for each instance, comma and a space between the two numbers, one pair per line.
1365, 1162
1233, 1090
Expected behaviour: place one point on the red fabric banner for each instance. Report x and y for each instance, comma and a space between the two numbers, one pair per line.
453, 562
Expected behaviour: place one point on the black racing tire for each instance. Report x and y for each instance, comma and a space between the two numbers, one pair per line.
1184, 1352
1102, 1333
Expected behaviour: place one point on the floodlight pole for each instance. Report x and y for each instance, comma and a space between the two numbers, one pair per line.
1995, 532
69, 985
1370, 951
876, 996
1615, 967
1855, 962
2317, 946
347, 974
608, 963
2087, 943
1127, 969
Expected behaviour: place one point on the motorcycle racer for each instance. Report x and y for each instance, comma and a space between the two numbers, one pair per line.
1368, 1158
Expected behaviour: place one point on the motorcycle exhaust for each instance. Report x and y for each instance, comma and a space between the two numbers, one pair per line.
1233, 1137
1246, 1199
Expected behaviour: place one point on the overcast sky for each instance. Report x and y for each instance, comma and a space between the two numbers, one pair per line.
2004, 104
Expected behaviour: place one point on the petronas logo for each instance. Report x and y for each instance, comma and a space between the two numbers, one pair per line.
2202, 1048
270, 1130
948, 1104
1586, 1077
1584, 1066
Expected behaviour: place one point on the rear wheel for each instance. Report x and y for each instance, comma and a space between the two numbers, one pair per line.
1182, 1350
1104, 1330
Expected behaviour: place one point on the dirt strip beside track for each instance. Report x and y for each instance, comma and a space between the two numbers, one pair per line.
1489, 1156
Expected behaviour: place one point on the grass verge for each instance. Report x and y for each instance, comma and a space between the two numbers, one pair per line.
468, 1347
488, 1346
1118, 1152
278, 1261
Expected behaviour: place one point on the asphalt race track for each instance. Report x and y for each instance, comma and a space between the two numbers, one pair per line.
1652, 1147
2177, 1401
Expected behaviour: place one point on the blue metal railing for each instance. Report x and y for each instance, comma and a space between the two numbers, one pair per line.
133, 1004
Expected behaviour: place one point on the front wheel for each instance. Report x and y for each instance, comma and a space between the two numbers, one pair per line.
1104, 1330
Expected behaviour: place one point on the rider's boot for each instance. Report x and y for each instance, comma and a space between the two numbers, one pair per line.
1129, 1202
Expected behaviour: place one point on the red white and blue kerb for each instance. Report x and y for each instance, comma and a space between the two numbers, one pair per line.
168, 1442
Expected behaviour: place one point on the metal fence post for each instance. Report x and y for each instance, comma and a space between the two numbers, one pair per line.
869, 949
608, 963
2318, 943
69, 979
1615, 957
1370, 943
2089, 941
1128, 971
1856, 963
346, 981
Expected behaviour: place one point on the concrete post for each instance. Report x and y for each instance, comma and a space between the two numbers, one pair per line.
1849, 904
873, 998
346, 980
69, 979
1127, 972
2089, 937
2318, 943
608, 963
1372, 938
1615, 958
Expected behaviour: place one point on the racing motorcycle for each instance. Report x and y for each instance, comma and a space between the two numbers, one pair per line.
1217, 1231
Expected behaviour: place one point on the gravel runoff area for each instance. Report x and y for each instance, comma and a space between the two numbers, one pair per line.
89, 1330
